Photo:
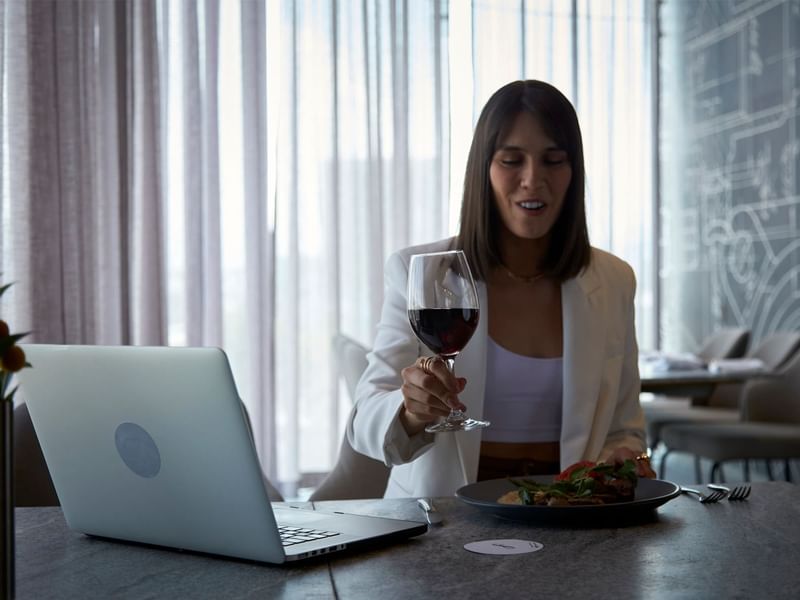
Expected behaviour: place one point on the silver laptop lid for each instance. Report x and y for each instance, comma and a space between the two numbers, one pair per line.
150, 444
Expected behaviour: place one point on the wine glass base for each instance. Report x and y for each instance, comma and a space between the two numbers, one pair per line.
460, 425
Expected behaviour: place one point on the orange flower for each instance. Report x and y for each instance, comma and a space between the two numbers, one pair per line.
13, 360
4, 330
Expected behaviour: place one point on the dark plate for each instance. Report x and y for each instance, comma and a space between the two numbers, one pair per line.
650, 494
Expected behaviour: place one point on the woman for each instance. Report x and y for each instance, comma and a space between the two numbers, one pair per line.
553, 363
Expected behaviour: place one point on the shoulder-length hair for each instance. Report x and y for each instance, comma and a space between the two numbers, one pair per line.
568, 251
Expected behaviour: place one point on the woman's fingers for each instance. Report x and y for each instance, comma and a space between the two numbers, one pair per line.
422, 404
642, 460
430, 391
645, 469
436, 388
442, 373
433, 365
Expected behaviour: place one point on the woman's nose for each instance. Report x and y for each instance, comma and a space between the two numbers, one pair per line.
529, 176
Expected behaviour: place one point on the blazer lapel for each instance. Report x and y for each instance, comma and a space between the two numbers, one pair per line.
584, 330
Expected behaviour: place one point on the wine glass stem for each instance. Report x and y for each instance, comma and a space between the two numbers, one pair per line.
455, 416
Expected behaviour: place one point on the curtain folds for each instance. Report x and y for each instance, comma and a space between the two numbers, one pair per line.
201, 172
259, 219
82, 201
361, 146
236, 173
144, 192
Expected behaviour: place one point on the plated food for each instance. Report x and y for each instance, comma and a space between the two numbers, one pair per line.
583, 483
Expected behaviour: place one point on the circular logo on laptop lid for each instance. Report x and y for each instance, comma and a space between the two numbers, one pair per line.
137, 449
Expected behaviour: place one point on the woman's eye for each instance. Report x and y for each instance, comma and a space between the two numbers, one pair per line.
555, 159
510, 162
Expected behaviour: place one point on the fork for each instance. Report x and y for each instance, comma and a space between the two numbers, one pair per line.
740, 492
711, 498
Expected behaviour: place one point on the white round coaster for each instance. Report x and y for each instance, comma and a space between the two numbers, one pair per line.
503, 546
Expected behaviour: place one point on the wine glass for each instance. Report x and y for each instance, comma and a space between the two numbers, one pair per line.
443, 311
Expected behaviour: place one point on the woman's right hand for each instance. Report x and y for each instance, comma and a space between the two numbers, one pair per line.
428, 394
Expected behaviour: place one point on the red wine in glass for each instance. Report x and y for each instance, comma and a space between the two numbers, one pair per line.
443, 312
444, 330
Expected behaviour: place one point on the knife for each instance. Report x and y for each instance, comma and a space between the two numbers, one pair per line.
431, 514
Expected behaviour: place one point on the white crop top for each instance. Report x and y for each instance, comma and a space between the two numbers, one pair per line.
523, 397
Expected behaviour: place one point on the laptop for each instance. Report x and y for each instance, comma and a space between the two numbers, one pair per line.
152, 445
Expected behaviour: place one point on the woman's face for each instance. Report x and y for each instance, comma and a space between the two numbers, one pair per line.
530, 176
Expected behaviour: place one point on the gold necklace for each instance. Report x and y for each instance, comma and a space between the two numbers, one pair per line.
520, 278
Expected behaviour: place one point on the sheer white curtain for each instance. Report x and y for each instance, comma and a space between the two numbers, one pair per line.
362, 150
236, 173
219, 193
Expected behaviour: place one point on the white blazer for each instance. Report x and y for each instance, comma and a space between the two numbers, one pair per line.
601, 385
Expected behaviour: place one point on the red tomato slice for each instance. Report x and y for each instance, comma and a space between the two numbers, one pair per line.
565, 474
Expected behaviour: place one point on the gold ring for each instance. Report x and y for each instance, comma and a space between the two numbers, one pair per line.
426, 363
428, 368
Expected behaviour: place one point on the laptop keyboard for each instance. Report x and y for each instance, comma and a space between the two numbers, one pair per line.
298, 535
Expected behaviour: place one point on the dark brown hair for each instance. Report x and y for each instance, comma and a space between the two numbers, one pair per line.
569, 251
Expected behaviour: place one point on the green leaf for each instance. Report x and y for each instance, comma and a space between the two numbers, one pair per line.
585, 486
628, 470
5, 287
579, 473
603, 468
528, 484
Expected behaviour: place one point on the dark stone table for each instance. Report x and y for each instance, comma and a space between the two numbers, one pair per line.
729, 550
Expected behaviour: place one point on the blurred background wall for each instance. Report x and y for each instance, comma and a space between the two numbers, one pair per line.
729, 147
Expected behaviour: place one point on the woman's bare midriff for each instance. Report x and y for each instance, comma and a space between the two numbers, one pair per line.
500, 459
538, 451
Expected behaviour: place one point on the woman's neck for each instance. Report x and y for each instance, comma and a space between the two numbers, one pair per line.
522, 257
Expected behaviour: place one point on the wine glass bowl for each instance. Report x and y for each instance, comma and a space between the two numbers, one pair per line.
443, 311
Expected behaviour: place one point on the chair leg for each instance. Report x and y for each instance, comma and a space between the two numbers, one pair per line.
662, 465
769, 470
746, 470
717, 466
698, 473
788, 468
